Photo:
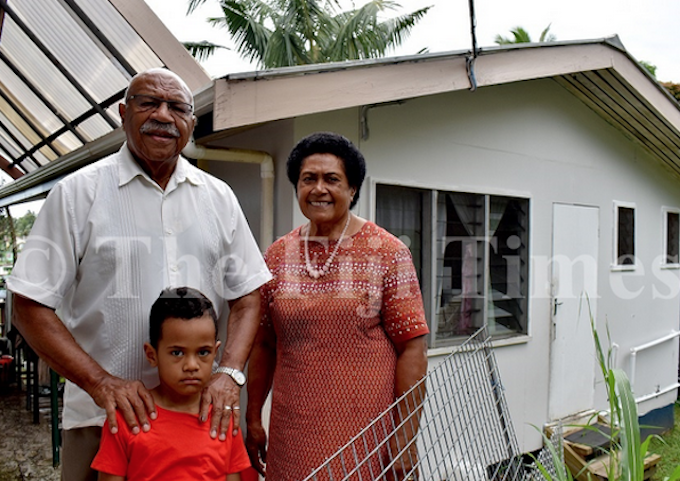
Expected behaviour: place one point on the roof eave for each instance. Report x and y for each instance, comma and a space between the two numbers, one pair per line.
640, 106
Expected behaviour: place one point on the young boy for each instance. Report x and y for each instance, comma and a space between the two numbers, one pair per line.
183, 344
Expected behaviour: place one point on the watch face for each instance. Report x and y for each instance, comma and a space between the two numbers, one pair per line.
239, 377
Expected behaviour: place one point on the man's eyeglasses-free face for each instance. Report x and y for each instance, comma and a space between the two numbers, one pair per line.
145, 103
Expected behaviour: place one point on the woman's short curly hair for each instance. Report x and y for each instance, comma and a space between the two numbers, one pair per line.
329, 143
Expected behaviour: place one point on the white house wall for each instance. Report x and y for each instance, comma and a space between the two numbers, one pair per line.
535, 140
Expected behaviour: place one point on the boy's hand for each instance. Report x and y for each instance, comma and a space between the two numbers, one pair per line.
131, 398
224, 395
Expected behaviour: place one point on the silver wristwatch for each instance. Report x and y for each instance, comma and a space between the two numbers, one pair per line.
238, 377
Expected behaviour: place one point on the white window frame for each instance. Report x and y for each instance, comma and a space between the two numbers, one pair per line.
615, 266
664, 247
430, 255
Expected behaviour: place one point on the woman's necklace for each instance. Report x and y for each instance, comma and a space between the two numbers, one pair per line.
313, 271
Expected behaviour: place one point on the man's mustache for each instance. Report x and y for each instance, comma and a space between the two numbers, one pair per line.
152, 125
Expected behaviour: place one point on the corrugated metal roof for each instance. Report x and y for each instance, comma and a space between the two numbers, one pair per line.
64, 67
612, 97
599, 72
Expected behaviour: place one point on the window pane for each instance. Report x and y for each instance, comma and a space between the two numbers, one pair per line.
672, 237
460, 264
465, 286
399, 211
508, 265
626, 236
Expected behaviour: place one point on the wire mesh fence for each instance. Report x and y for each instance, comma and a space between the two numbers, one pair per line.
452, 426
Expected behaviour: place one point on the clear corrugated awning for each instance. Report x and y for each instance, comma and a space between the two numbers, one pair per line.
64, 67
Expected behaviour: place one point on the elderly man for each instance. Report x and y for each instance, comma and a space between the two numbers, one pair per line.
108, 239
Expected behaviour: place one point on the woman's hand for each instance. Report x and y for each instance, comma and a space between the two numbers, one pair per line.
256, 445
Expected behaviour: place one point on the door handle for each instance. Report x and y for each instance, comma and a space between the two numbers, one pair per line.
555, 304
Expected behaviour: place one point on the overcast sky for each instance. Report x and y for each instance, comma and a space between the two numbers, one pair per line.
649, 29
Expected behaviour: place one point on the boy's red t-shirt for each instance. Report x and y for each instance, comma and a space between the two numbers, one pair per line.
178, 447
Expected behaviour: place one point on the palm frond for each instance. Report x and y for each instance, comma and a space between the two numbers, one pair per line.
521, 35
285, 49
202, 50
546, 36
360, 35
193, 5
399, 28
304, 17
501, 40
293, 32
243, 19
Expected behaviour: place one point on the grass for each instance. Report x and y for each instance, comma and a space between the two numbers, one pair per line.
669, 449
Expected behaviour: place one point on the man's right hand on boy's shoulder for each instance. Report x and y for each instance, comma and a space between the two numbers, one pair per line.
131, 398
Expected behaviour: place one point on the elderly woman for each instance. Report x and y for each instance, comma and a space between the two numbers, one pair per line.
343, 327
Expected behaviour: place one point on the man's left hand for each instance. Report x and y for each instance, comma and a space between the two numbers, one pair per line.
224, 395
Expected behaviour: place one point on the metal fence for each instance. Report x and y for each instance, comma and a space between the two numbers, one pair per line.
464, 431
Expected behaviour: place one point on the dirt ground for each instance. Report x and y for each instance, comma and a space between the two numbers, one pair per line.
25, 448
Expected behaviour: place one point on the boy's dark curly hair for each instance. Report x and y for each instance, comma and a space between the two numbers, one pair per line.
179, 302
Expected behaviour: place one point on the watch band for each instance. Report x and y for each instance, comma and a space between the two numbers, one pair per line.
238, 376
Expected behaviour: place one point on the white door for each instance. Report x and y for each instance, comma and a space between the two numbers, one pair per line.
574, 297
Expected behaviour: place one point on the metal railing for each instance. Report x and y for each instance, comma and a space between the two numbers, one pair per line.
453, 425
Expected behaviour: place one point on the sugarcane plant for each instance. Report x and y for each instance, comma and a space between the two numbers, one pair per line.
624, 428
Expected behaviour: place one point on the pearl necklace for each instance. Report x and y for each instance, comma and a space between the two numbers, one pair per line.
314, 272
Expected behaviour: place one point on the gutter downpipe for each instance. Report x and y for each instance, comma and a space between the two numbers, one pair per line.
266, 174
470, 59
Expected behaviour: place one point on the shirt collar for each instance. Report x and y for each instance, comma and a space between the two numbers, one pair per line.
129, 169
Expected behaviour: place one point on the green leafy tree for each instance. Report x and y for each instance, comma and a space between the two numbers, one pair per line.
520, 35
282, 33
651, 68
23, 225
10, 230
673, 88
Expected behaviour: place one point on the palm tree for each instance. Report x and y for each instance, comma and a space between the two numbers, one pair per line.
522, 36
280, 33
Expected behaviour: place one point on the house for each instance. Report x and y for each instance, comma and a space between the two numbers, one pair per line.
536, 185
549, 193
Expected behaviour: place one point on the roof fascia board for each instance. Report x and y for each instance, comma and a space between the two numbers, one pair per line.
251, 101
163, 43
254, 99
503, 67
654, 93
